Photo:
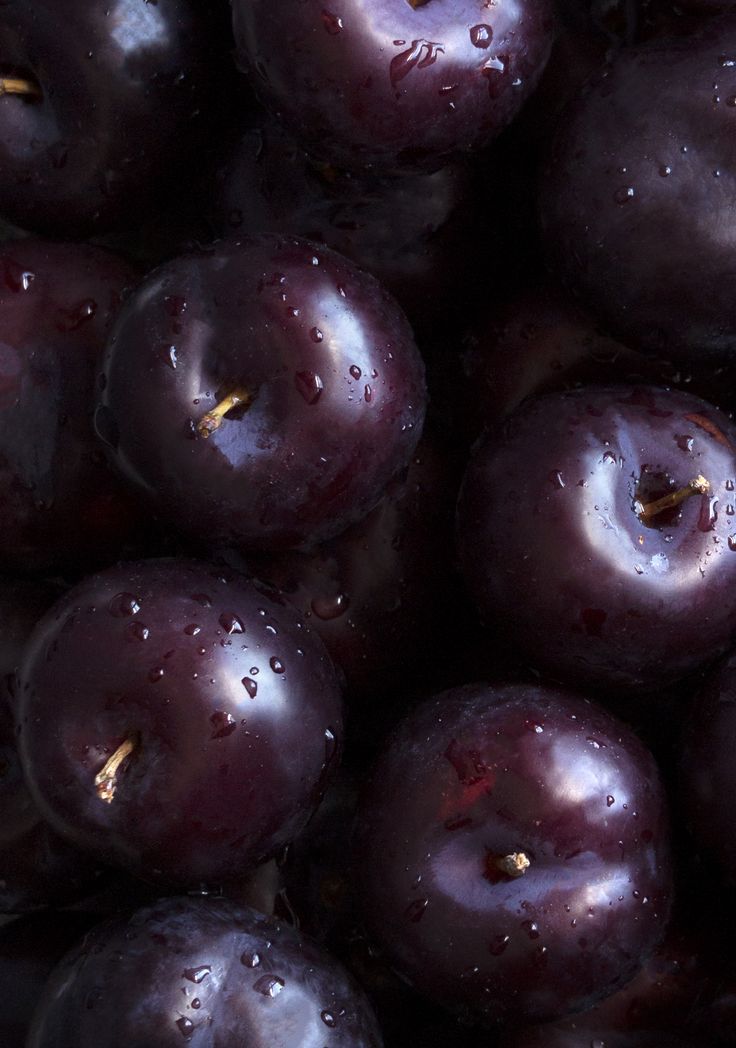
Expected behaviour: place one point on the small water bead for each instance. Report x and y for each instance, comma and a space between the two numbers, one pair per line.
223, 724
192, 629
269, 985
156, 674
610, 800
498, 945
309, 385
276, 665
368, 394
231, 623
202, 599
139, 631
328, 1019
415, 910
250, 960
250, 686
355, 371
197, 975
123, 605
328, 608
732, 542
481, 36
333, 23
624, 195
196, 1003
186, 1027
316, 335
665, 170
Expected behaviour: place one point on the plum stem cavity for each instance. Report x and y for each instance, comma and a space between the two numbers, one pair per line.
698, 486
106, 779
238, 398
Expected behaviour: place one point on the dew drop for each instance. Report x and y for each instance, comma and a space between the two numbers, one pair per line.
276, 665
269, 985
368, 394
732, 542
665, 170
202, 599
250, 960
355, 371
332, 23
415, 910
156, 674
481, 36
192, 629
610, 800
197, 975
309, 385
328, 1019
316, 335
250, 686
499, 944
223, 724
231, 623
186, 1027
123, 605
327, 608
624, 195
139, 631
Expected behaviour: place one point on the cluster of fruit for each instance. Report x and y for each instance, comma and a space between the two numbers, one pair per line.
368, 478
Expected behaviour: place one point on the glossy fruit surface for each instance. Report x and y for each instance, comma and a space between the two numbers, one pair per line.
61, 501
202, 972
226, 708
558, 550
485, 779
116, 85
394, 84
330, 382
412, 233
636, 199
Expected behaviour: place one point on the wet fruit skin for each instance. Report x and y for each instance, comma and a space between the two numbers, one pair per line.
482, 772
555, 552
62, 503
231, 705
37, 867
707, 774
329, 360
202, 972
391, 85
636, 197
68, 166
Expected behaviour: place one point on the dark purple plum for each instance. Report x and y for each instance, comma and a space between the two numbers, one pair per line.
512, 852
596, 532
30, 947
637, 196
63, 507
412, 233
98, 108
201, 972
379, 593
395, 85
262, 394
37, 867
196, 721
708, 771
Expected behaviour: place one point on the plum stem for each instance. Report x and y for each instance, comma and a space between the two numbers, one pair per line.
15, 85
106, 780
417, 3
514, 865
698, 486
213, 419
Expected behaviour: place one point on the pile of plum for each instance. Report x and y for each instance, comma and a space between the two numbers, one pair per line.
368, 547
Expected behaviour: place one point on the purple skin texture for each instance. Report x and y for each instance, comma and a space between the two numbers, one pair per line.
232, 706
554, 549
62, 503
708, 770
636, 201
120, 84
205, 973
329, 360
389, 85
486, 771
